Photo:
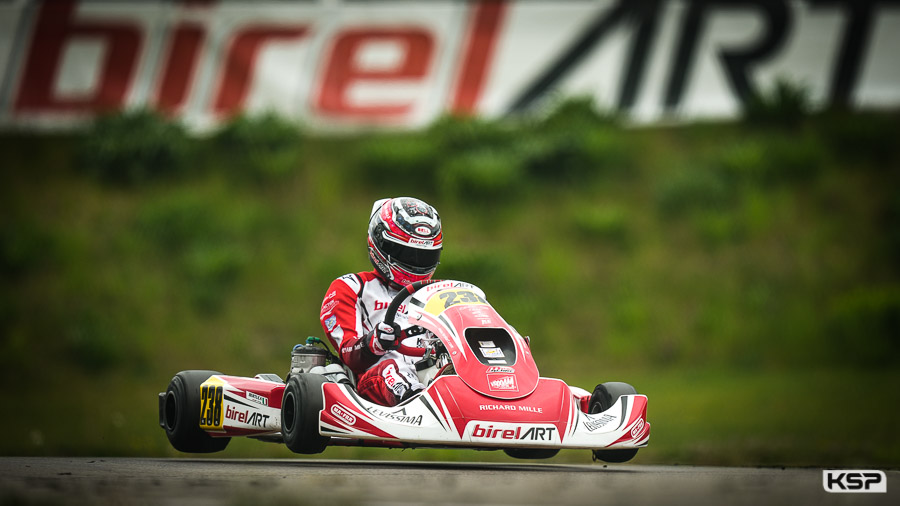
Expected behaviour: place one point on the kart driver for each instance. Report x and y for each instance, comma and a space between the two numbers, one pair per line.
404, 247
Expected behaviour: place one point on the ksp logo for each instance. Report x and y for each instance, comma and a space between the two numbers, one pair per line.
854, 481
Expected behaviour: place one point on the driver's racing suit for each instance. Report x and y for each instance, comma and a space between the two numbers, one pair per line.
353, 305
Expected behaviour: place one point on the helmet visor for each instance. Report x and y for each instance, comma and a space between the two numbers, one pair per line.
414, 260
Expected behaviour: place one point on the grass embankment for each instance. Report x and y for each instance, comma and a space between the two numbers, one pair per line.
743, 276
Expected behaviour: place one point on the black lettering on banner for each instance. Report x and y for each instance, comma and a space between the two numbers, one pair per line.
736, 62
571, 57
854, 44
642, 18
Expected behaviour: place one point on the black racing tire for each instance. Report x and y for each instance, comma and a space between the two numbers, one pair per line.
603, 398
300, 409
181, 415
531, 453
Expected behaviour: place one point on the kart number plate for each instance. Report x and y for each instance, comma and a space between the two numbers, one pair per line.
449, 298
210, 407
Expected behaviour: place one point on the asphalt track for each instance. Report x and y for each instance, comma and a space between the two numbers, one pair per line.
50, 480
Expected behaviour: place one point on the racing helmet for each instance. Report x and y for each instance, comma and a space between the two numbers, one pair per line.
404, 240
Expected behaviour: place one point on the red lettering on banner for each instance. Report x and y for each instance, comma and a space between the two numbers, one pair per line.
343, 70
179, 67
56, 27
487, 17
241, 62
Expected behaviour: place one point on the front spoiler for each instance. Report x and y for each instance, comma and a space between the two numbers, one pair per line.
449, 414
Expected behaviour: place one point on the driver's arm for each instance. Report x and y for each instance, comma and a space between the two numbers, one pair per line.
344, 326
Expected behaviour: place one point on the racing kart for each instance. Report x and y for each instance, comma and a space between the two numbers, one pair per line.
483, 392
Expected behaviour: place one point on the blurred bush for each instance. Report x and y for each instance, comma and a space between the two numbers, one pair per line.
209, 236
135, 147
257, 149
864, 326
607, 224
755, 246
867, 138
392, 159
687, 189
786, 104
481, 174
539, 211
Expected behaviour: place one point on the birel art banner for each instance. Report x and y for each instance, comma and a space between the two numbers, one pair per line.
337, 64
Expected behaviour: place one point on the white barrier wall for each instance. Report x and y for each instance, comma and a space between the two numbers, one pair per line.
338, 64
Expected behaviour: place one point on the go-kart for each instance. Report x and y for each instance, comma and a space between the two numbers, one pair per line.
483, 392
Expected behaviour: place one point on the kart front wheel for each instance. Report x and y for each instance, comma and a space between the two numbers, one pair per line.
603, 398
180, 414
300, 409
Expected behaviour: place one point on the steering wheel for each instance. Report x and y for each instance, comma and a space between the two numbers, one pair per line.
391, 314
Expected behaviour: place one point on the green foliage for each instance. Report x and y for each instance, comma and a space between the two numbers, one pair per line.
868, 138
692, 189
393, 159
24, 247
575, 144
624, 253
209, 238
135, 147
212, 270
577, 113
773, 160
786, 105
864, 326
481, 174
258, 149
795, 160
460, 134
607, 224
91, 342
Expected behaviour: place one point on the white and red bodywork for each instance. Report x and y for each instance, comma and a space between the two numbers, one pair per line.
494, 398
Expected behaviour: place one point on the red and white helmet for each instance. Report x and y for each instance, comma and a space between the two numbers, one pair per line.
404, 240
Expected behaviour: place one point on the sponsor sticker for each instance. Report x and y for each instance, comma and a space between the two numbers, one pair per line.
420, 242
501, 369
259, 399
399, 416
330, 323
638, 427
423, 230
343, 414
597, 423
502, 382
487, 344
247, 417
512, 432
510, 407
500, 362
492, 353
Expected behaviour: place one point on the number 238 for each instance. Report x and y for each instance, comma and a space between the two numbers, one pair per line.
461, 297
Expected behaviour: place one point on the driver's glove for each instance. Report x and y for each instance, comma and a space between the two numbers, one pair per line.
383, 337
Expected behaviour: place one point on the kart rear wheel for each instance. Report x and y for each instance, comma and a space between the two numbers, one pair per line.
603, 398
180, 415
531, 453
300, 409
